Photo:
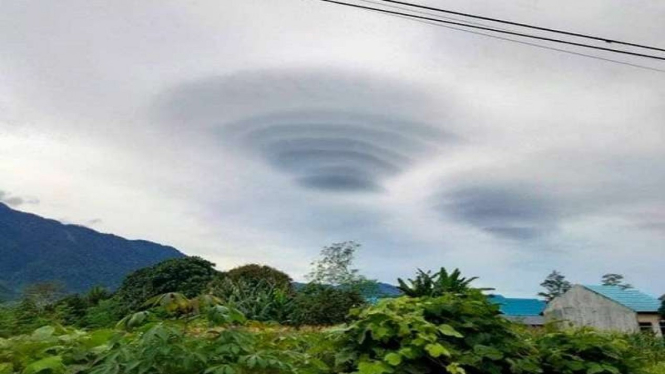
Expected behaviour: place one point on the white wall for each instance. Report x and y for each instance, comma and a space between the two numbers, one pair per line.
582, 307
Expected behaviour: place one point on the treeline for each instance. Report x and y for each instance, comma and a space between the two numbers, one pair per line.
260, 292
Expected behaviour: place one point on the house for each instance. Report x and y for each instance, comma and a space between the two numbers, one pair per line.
612, 308
527, 311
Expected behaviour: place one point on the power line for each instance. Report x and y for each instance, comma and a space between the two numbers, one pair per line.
537, 45
494, 30
512, 40
606, 40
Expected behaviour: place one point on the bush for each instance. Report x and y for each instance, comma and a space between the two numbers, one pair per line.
317, 304
452, 333
260, 301
188, 275
259, 275
587, 351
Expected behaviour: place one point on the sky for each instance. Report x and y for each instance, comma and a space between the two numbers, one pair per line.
253, 131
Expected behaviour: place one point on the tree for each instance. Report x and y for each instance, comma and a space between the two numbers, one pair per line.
438, 284
335, 269
612, 279
255, 274
188, 275
44, 293
662, 307
555, 284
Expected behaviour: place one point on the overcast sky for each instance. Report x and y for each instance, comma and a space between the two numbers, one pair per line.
261, 130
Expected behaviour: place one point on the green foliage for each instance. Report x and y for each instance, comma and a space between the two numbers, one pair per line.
451, 333
187, 275
555, 284
438, 284
586, 351
335, 268
105, 314
317, 304
44, 293
162, 347
259, 275
260, 300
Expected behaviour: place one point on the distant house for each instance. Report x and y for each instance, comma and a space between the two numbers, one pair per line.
612, 308
526, 311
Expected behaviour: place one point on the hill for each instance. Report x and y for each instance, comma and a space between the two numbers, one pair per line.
34, 249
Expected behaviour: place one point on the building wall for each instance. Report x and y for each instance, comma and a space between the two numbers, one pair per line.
582, 307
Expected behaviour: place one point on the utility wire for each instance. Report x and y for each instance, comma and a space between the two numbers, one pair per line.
494, 30
532, 44
606, 40
595, 57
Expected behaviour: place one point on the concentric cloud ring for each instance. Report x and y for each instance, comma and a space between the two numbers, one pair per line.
329, 130
336, 151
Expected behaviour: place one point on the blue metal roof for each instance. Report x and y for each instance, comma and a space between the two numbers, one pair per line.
519, 307
629, 297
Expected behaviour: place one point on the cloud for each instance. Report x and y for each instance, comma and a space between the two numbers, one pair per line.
509, 211
16, 201
329, 130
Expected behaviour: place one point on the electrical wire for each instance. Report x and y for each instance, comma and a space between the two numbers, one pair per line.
511, 40
606, 40
495, 30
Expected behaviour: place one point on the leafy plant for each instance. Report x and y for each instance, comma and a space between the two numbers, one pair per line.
317, 304
450, 333
187, 275
260, 301
585, 351
438, 284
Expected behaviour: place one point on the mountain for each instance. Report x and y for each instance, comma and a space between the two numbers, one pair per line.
35, 249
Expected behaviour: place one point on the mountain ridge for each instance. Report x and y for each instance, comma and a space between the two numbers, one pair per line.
36, 249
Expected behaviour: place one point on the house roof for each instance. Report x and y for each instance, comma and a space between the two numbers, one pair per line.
630, 297
518, 307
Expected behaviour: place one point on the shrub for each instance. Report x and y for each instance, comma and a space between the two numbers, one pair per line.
259, 275
187, 275
317, 304
586, 351
452, 333
261, 301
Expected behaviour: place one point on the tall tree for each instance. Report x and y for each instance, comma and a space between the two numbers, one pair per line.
612, 279
335, 268
555, 284
44, 293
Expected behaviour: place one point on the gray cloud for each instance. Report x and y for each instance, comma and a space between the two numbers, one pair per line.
16, 201
331, 131
336, 151
509, 211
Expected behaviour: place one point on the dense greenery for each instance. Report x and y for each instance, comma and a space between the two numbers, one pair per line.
437, 284
193, 319
254, 274
188, 275
35, 249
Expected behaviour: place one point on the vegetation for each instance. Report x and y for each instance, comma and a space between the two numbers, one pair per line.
335, 268
251, 320
254, 275
555, 284
612, 279
438, 284
188, 275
